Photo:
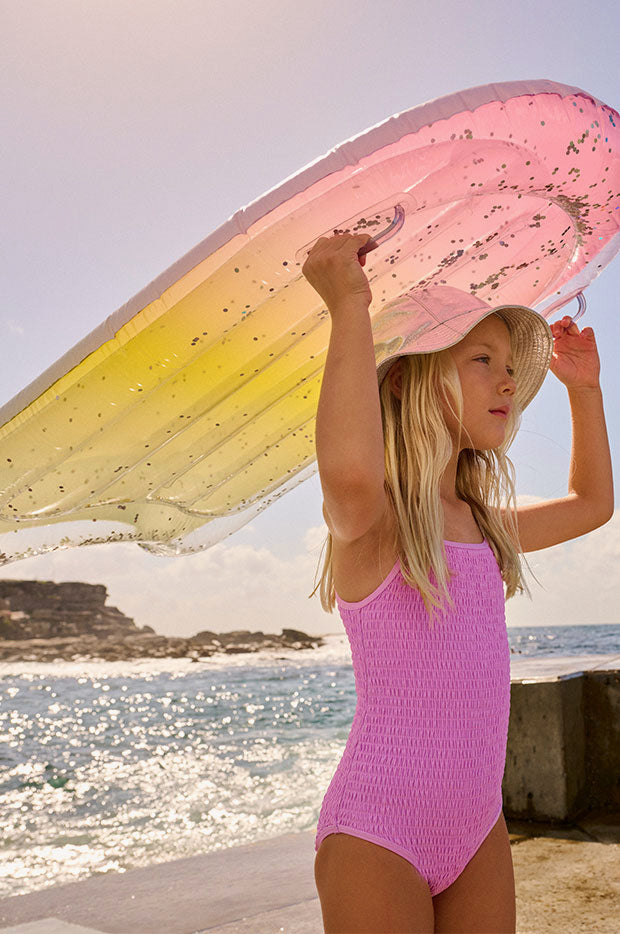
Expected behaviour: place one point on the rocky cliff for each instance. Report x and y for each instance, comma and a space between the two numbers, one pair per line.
44, 621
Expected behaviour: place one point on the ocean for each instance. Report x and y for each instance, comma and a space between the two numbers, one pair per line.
110, 766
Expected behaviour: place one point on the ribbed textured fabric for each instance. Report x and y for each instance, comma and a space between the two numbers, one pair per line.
421, 772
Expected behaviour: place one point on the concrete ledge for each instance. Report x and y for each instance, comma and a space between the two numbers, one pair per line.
563, 750
180, 897
49, 926
304, 918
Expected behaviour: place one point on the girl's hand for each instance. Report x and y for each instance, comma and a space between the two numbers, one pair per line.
575, 359
334, 269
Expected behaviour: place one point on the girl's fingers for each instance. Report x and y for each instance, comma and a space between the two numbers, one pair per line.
367, 247
565, 326
338, 239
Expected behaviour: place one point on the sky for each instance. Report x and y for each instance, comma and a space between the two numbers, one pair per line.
130, 131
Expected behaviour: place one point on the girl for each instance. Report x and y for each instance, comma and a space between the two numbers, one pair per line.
412, 462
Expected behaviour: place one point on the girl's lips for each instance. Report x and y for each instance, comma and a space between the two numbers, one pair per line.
498, 412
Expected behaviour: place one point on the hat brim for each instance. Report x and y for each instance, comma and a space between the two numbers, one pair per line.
531, 339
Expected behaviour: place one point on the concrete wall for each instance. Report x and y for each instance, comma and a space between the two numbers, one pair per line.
563, 754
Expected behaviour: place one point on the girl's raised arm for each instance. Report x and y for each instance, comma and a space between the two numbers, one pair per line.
349, 435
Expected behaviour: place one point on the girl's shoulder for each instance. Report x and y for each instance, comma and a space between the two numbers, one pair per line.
359, 567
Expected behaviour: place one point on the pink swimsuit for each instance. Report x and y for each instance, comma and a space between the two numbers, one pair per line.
421, 772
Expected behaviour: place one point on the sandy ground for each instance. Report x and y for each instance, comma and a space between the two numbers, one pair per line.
568, 880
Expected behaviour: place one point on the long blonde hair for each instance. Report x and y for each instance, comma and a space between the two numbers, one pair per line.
418, 447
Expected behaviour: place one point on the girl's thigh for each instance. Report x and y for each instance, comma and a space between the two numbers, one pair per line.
364, 888
482, 899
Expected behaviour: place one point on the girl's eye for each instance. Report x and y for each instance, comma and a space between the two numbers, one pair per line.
511, 372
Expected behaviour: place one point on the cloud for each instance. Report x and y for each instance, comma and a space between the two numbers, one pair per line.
14, 328
315, 538
244, 586
579, 583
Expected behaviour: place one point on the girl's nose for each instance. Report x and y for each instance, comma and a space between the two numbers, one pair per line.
509, 382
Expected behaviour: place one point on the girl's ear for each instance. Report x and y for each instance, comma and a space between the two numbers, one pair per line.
395, 377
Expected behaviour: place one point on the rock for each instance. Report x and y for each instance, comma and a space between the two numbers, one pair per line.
205, 635
299, 639
44, 621
43, 609
242, 636
294, 634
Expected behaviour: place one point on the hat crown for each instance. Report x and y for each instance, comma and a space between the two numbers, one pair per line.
441, 303
403, 323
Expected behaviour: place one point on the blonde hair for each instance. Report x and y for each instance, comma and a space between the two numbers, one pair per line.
418, 447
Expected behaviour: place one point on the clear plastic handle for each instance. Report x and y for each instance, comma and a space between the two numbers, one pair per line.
582, 307
386, 218
393, 227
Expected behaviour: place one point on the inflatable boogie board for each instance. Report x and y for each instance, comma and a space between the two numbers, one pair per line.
192, 407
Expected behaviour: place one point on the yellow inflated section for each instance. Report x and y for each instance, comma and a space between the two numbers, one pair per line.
202, 406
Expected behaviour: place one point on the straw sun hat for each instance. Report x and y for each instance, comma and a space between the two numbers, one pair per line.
424, 320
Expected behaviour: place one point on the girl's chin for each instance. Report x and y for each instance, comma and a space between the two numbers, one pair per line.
484, 443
